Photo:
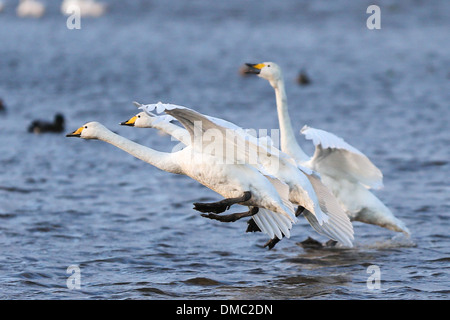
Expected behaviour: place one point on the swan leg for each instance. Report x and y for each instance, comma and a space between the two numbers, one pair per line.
272, 242
223, 205
233, 216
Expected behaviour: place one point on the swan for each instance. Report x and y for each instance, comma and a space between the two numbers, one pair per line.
266, 197
324, 215
88, 8
30, 8
346, 171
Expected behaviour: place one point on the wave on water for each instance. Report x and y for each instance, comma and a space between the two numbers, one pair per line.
397, 241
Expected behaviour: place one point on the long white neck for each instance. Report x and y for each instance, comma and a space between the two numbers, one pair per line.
162, 160
289, 144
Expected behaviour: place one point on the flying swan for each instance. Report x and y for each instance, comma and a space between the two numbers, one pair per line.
345, 170
242, 184
305, 189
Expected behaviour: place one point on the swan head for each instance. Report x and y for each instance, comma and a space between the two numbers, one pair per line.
266, 70
141, 120
90, 130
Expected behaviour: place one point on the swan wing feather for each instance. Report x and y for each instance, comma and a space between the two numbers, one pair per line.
337, 218
335, 157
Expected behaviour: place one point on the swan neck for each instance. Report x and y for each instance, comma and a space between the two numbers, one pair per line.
161, 160
288, 141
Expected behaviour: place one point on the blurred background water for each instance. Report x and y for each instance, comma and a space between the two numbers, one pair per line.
131, 228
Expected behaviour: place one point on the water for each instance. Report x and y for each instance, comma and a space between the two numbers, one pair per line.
131, 228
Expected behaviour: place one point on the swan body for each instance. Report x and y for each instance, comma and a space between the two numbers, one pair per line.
346, 171
30, 8
88, 8
324, 215
230, 181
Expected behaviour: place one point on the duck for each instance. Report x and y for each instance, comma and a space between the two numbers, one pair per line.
345, 170
302, 79
324, 215
40, 126
2, 106
238, 184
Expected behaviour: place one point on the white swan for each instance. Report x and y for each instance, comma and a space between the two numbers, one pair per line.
344, 169
30, 8
88, 8
324, 214
237, 183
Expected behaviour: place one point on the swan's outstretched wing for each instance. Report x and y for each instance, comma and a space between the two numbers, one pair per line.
160, 107
335, 157
283, 190
273, 224
164, 123
148, 108
246, 143
209, 137
187, 117
338, 226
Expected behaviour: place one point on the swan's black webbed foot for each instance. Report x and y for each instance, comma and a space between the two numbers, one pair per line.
211, 207
231, 217
223, 205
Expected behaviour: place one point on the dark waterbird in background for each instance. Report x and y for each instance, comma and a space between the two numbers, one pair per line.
39, 126
2, 106
303, 79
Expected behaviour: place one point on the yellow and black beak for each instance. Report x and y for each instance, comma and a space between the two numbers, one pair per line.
251, 68
129, 122
76, 133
